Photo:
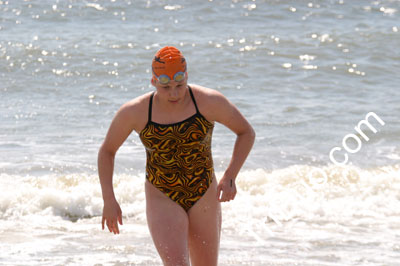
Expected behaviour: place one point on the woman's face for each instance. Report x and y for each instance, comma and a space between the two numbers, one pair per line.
173, 92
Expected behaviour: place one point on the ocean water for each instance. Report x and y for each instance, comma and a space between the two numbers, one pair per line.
304, 73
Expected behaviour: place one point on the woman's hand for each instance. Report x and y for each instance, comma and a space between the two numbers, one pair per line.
112, 214
228, 187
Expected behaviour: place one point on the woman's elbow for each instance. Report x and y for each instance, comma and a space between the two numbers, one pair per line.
248, 132
252, 133
105, 151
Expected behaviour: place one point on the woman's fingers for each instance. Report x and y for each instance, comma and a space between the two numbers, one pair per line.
115, 227
112, 215
109, 225
227, 196
227, 189
112, 224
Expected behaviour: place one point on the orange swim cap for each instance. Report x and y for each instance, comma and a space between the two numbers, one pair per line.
168, 61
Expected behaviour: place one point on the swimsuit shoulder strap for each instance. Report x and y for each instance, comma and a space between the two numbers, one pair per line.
150, 106
194, 101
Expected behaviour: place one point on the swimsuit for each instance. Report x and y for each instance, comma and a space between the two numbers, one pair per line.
179, 161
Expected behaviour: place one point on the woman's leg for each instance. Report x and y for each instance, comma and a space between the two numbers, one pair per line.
205, 228
169, 225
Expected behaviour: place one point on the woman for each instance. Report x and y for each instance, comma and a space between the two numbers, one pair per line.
175, 125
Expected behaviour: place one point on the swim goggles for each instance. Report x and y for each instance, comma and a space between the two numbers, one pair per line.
165, 79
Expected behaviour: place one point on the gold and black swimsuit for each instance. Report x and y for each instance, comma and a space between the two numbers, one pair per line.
179, 161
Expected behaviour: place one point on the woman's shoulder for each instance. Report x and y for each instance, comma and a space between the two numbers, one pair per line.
206, 95
138, 104
209, 101
136, 111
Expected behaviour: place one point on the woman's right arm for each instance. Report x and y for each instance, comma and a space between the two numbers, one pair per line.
121, 127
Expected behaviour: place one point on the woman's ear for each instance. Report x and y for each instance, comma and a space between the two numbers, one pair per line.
153, 82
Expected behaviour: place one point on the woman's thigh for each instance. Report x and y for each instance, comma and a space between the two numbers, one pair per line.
168, 224
205, 228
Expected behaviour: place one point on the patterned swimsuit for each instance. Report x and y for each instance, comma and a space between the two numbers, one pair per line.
179, 161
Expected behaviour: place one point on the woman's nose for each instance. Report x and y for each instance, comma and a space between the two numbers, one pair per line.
174, 92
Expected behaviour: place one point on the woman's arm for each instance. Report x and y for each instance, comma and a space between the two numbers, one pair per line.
121, 127
227, 114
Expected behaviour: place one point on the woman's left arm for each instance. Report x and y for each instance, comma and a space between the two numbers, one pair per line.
228, 114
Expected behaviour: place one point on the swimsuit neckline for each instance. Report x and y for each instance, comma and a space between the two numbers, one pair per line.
176, 123
149, 121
